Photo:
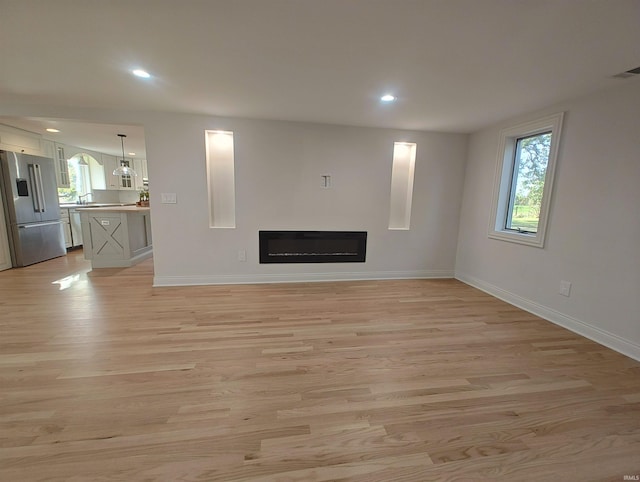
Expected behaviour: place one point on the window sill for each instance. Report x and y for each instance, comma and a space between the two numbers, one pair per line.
535, 240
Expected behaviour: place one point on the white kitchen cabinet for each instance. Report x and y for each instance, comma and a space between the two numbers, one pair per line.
145, 172
71, 227
142, 179
66, 227
117, 183
18, 140
48, 148
76, 228
109, 163
127, 183
62, 166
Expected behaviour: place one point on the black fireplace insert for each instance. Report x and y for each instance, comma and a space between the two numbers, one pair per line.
313, 246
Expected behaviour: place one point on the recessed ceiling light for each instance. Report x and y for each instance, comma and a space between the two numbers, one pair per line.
51, 129
141, 73
132, 153
388, 98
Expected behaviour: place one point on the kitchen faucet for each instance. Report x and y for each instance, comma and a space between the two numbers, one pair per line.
81, 201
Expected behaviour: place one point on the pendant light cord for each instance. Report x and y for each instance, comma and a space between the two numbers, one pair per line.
122, 136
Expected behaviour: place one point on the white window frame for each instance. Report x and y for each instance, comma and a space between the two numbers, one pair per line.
504, 173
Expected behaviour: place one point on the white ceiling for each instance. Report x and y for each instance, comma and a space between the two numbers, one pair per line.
455, 65
101, 138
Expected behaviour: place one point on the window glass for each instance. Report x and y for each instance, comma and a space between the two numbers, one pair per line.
527, 184
79, 180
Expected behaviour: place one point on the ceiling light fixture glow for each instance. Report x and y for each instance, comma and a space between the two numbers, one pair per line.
388, 98
132, 153
141, 73
51, 129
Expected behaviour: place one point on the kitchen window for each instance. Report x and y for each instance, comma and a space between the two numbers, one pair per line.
79, 179
524, 180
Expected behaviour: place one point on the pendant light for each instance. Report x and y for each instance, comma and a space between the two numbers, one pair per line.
123, 170
81, 158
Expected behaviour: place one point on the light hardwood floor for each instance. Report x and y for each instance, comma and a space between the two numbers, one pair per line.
105, 378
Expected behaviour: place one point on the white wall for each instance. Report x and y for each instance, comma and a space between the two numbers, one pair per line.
592, 239
278, 169
593, 236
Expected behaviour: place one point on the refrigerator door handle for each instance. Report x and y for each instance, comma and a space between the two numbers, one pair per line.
34, 187
41, 201
37, 225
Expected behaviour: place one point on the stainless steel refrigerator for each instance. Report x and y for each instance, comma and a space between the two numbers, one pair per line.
30, 198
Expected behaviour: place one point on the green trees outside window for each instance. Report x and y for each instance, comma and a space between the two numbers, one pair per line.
527, 184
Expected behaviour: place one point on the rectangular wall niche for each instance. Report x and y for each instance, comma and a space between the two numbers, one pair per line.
404, 162
221, 179
313, 246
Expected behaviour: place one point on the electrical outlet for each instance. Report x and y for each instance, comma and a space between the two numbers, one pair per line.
565, 288
242, 255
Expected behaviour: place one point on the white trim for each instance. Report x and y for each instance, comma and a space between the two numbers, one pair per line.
502, 181
297, 277
580, 327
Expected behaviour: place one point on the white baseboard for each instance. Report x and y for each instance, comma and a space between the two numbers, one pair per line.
296, 277
598, 335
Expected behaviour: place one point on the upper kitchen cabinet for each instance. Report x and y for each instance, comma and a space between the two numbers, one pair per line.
48, 148
18, 140
110, 163
119, 183
62, 167
142, 178
58, 153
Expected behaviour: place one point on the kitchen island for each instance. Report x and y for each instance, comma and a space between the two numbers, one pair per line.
116, 236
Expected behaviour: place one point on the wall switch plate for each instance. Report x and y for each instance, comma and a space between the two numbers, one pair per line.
565, 288
169, 198
242, 255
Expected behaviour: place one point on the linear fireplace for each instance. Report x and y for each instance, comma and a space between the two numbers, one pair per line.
313, 246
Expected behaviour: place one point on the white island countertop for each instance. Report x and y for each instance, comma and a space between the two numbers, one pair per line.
116, 209
92, 205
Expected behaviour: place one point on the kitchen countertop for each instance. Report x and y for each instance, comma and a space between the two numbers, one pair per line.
93, 205
127, 208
